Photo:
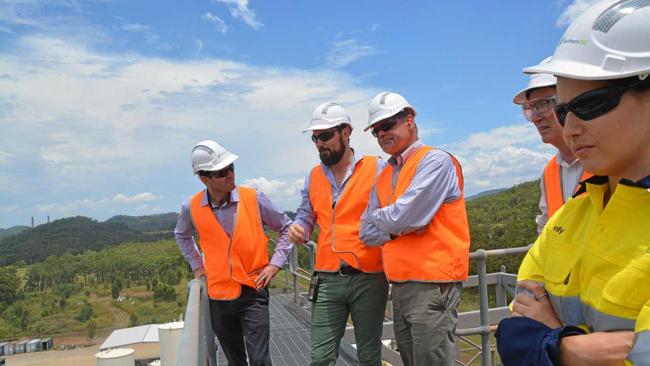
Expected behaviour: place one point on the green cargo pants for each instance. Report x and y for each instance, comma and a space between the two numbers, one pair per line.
363, 296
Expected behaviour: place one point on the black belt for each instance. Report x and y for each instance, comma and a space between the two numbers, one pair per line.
346, 270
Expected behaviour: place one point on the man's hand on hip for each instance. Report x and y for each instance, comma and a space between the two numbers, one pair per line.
266, 275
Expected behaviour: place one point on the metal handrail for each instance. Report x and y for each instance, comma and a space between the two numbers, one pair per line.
197, 346
480, 255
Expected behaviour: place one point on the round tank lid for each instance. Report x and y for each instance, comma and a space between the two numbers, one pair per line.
172, 325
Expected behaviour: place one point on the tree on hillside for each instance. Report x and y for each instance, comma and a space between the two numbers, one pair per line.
91, 329
8, 286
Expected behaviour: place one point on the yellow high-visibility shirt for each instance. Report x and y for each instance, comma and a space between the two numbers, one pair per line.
594, 262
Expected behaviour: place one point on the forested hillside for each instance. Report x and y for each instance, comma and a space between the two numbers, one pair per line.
161, 222
505, 220
69, 235
129, 284
12, 231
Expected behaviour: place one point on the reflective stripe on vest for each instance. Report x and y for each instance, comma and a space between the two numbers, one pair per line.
339, 225
442, 252
553, 185
230, 263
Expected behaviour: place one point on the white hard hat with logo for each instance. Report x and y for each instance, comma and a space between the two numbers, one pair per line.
384, 105
210, 156
609, 40
536, 81
328, 115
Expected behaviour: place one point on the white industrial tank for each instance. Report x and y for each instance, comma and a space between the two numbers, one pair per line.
115, 357
169, 336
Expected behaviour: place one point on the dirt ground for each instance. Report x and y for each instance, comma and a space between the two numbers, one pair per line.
81, 356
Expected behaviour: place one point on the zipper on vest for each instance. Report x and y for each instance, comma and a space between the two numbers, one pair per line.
566, 280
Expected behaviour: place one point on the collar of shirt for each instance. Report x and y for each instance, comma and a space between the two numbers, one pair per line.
330, 174
234, 198
399, 161
565, 164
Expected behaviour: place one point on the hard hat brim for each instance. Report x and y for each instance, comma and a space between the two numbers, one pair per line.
520, 97
578, 70
324, 127
222, 164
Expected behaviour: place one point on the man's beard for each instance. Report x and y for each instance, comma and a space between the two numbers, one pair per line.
331, 157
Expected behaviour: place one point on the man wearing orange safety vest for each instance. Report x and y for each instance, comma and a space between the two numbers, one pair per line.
349, 278
563, 172
417, 212
228, 220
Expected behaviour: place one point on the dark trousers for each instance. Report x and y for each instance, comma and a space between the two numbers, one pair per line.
242, 326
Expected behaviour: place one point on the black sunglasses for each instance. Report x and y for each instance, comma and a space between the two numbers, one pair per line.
325, 136
387, 125
221, 172
593, 103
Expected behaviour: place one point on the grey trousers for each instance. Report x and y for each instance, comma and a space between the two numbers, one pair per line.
425, 317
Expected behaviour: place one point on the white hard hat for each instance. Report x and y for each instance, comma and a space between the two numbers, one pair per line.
210, 156
328, 115
609, 40
536, 81
384, 105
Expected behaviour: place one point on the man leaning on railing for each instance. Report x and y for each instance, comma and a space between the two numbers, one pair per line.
228, 220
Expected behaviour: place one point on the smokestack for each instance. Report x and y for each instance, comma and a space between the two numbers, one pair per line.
48, 219
32, 222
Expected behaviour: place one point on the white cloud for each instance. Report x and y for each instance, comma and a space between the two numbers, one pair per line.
572, 11
501, 157
140, 197
239, 10
136, 27
276, 189
346, 51
5, 157
10, 209
69, 208
125, 118
199, 45
218, 22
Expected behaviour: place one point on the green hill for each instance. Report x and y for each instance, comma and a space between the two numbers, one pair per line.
504, 220
12, 231
161, 222
69, 235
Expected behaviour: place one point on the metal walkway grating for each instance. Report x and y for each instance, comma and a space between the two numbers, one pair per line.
289, 336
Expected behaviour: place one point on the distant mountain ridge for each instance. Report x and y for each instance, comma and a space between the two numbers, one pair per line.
12, 230
72, 235
160, 222
485, 193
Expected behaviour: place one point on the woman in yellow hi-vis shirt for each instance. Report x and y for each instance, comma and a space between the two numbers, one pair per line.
590, 268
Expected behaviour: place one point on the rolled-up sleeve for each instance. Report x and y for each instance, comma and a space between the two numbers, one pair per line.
278, 221
184, 234
305, 214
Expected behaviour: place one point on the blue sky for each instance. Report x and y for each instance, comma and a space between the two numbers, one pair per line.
101, 101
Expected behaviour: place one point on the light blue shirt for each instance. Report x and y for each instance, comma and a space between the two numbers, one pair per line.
270, 215
305, 216
435, 182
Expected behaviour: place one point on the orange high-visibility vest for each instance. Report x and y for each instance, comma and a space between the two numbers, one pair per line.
339, 224
231, 262
553, 185
441, 253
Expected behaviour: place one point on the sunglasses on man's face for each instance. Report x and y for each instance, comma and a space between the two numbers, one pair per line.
388, 125
222, 172
592, 104
324, 136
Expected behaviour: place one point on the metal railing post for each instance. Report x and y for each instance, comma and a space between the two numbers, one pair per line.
197, 341
483, 298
